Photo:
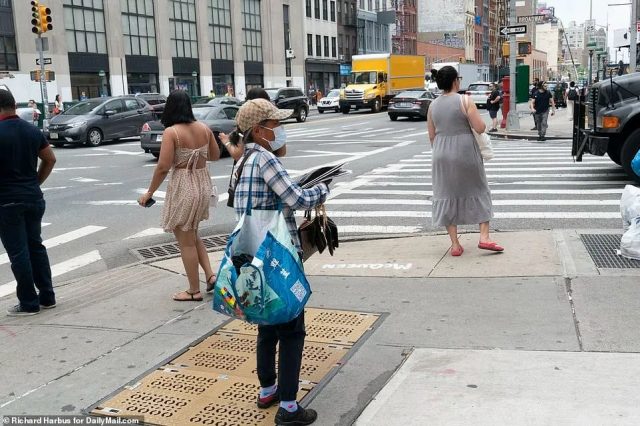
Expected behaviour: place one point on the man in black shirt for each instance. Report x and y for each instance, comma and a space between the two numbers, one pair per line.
540, 108
22, 207
532, 94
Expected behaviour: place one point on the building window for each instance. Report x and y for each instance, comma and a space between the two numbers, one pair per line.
318, 46
317, 8
333, 11
138, 28
8, 51
325, 10
308, 8
182, 22
252, 30
220, 29
309, 45
326, 46
84, 26
334, 51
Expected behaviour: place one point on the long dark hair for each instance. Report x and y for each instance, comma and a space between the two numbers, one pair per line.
445, 77
177, 109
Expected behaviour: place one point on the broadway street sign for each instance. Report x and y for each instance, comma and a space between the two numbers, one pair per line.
531, 19
513, 30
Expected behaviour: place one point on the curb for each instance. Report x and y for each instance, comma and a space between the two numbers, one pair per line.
516, 136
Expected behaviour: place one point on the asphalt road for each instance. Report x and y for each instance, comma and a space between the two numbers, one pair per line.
93, 220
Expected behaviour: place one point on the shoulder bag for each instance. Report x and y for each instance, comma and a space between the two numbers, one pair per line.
482, 139
318, 233
233, 185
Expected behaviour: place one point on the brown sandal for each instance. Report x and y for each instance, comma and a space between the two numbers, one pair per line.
211, 283
192, 297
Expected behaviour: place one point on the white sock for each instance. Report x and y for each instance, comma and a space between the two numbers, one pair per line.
290, 406
265, 392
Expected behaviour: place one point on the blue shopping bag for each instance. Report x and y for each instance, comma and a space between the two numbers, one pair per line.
635, 164
272, 288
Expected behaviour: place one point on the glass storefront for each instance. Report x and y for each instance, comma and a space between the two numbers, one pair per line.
223, 84
91, 84
142, 83
187, 83
254, 80
323, 81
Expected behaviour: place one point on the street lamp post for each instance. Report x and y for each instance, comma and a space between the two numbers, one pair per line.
590, 67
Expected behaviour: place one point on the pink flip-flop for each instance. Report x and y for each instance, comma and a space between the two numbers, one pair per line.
458, 252
490, 246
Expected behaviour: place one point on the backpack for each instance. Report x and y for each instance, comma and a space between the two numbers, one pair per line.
573, 94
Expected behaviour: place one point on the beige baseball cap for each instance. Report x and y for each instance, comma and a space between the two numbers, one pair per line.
256, 111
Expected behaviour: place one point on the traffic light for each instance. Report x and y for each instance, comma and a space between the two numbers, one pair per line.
35, 17
40, 18
45, 18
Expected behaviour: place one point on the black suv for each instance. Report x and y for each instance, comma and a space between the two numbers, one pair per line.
290, 98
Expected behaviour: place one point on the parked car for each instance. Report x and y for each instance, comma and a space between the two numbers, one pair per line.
479, 92
94, 121
412, 103
156, 100
219, 100
219, 118
291, 98
331, 102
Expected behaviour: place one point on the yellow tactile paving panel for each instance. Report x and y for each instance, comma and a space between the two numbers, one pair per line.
214, 382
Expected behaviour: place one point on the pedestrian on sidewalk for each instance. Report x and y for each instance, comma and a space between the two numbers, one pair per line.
542, 100
493, 105
532, 94
187, 145
461, 193
570, 97
22, 206
235, 146
272, 188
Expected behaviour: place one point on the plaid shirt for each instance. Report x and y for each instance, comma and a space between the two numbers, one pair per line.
273, 186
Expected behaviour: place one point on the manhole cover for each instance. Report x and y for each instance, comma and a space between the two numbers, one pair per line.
214, 382
603, 251
161, 251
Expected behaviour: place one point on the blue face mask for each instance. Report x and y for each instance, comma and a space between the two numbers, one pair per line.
280, 138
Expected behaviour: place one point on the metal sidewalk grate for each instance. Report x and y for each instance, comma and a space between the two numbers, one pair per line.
160, 251
213, 381
603, 251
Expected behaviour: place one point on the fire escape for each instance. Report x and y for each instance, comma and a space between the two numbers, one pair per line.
404, 41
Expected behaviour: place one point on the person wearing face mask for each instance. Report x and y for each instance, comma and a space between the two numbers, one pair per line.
272, 188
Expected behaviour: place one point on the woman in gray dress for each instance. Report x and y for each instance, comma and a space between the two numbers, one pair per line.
461, 193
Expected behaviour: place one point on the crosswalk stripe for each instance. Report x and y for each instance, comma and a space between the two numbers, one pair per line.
496, 215
515, 176
146, 233
406, 202
378, 229
427, 178
402, 169
62, 239
347, 135
411, 192
510, 162
59, 269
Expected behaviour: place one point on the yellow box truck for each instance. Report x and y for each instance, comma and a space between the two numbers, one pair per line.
377, 78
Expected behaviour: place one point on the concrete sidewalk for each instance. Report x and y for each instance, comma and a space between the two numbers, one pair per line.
560, 126
510, 338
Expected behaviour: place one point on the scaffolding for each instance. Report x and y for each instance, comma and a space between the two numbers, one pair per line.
405, 38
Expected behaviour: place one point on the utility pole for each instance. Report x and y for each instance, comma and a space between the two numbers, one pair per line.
513, 122
41, 23
633, 36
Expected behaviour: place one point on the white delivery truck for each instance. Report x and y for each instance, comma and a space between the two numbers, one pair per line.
470, 73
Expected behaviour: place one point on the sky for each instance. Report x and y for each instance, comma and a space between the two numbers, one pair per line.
578, 10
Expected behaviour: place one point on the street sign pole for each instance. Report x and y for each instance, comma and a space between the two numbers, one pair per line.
513, 123
40, 44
